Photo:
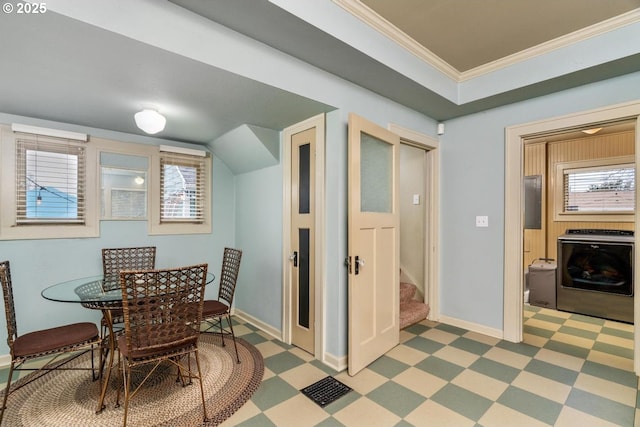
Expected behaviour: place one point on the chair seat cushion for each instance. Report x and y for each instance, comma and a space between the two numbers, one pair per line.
39, 342
213, 308
145, 350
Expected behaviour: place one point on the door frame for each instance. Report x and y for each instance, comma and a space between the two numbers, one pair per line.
432, 230
317, 122
515, 137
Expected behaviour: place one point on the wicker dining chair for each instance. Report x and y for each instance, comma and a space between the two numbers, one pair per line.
71, 340
214, 311
162, 314
114, 260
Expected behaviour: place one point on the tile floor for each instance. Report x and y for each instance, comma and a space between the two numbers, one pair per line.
572, 370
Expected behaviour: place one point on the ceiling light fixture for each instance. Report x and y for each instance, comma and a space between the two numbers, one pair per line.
591, 131
150, 121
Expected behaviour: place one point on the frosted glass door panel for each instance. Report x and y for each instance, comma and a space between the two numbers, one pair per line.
376, 175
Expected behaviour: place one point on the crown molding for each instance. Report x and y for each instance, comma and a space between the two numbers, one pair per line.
371, 18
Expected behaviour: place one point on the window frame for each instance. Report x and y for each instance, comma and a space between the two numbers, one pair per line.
91, 227
560, 215
8, 197
156, 224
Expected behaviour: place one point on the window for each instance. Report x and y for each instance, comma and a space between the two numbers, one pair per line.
57, 185
50, 181
182, 189
604, 189
599, 188
124, 180
49, 186
183, 195
124, 194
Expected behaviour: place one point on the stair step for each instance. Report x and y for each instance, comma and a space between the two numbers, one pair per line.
407, 292
412, 312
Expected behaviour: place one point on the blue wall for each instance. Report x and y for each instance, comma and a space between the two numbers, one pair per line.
472, 183
37, 264
247, 213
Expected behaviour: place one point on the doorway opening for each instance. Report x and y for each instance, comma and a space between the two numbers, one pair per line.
578, 235
516, 138
414, 210
423, 175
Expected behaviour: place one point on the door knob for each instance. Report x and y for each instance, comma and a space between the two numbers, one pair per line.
358, 263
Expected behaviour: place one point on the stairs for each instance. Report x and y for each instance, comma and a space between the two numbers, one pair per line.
411, 310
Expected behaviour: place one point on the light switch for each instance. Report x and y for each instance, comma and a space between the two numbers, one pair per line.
416, 199
482, 221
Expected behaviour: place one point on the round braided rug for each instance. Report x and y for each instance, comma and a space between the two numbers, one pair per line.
69, 398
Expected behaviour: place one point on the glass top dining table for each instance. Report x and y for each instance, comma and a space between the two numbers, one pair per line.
97, 293
93, 290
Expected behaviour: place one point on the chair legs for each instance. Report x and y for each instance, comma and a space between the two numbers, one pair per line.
222, 331
6, 393
129, 394
233, 335
50, 365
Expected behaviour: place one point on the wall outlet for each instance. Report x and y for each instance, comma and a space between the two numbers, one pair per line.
482, 221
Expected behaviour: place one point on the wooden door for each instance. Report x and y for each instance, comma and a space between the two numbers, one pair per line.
303, 239
373, 242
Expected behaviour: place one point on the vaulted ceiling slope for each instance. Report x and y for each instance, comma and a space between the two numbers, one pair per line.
96, 62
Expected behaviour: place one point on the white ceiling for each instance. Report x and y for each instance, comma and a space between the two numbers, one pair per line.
70, 65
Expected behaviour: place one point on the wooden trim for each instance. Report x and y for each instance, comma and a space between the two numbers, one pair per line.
432, 250
317, 122
515, 137
374, 20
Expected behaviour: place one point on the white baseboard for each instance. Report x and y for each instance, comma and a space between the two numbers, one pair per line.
336, 363
264, 327
470, 326
5, 361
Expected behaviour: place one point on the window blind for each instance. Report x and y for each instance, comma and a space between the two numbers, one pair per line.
182, 186
50, 180
601, 189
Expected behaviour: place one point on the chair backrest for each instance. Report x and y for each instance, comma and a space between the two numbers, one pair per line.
161, 307
114, 260
9, 307
229, 274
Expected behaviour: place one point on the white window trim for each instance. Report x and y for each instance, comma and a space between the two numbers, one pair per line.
91, 228
154, 224
558, 194
8, 229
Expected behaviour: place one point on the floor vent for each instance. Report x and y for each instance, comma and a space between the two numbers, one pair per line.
325, 391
